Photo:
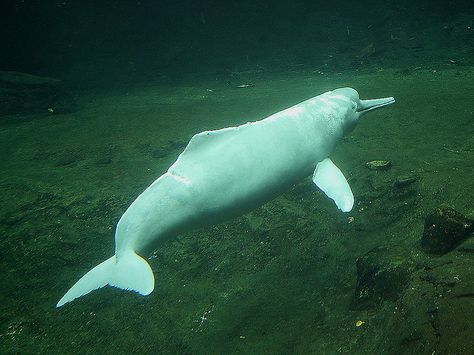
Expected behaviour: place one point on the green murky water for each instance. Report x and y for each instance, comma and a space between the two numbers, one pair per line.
281, 279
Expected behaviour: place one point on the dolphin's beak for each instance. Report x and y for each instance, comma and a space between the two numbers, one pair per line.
369, 105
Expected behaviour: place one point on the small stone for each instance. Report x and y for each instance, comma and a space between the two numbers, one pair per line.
378, 164
167, 149
103, 161
445, 229
159, 152
404, 180
66, 160
178, 144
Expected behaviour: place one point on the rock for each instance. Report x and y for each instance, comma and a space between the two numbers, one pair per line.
404, 181
22, 93
382, 274
379, 203
164, 150
367, 51
378, 164
404, 72
435, 311
178, 143
159, 152
66, 159
103, 161
444, 230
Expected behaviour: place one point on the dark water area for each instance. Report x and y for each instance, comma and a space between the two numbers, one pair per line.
109, 41
99, 98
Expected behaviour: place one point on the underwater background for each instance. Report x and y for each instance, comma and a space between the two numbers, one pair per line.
97, 100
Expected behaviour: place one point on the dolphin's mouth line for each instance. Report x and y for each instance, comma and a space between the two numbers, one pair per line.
369, 105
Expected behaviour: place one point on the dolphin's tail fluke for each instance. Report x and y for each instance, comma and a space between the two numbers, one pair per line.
128, 272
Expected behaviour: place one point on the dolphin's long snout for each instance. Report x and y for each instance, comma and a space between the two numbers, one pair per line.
369, 105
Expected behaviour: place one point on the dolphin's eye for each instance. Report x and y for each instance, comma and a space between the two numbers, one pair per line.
354, 106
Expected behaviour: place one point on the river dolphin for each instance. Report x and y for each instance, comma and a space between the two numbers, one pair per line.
227, 172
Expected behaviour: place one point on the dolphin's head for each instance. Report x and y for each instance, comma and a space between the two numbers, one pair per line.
356, 107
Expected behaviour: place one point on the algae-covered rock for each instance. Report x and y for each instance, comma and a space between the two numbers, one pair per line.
404, 181
444, 230
435, 312
22, 93
382, 274
380, 202
378, 164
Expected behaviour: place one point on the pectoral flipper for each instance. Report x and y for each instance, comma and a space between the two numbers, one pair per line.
332, 182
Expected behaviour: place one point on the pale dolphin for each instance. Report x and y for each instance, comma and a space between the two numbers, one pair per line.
227, 172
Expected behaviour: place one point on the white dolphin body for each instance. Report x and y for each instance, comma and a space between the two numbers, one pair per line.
227, 172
